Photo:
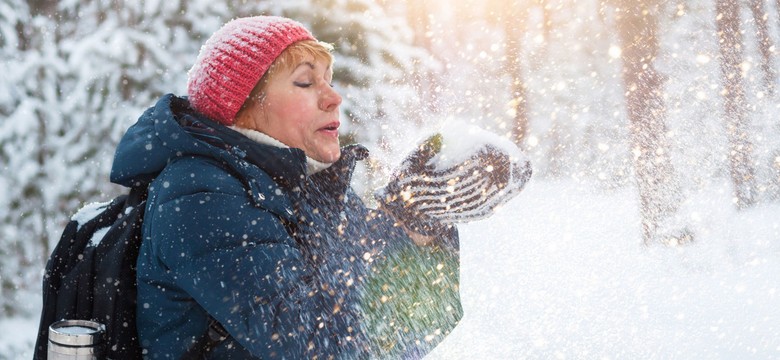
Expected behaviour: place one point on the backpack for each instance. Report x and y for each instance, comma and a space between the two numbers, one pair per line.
91, 275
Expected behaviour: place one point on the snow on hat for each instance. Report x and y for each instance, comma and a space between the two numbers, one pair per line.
234, 59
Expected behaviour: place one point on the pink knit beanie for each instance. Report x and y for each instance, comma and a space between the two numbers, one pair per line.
234, 59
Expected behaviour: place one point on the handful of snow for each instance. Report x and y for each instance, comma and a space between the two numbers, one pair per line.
460, 174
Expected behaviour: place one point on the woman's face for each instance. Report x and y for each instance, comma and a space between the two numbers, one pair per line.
301, 109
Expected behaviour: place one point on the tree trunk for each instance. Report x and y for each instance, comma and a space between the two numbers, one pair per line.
547, 17
426, 82
659, 190
761, 18
735, 109
777, 8
513, 32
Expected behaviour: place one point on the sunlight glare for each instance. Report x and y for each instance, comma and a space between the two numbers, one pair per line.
615, 51
533, 141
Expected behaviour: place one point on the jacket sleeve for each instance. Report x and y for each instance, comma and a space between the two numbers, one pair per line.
410, 297
240, 265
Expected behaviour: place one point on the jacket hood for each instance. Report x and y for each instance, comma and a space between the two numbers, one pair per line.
171, 129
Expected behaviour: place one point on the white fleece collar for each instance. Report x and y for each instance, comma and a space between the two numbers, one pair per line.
312, 166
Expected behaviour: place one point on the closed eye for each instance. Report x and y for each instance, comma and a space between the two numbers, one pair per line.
301, 84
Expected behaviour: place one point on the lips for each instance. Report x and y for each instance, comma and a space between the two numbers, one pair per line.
331, 128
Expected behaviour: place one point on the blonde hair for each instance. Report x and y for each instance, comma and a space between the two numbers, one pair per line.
291, 57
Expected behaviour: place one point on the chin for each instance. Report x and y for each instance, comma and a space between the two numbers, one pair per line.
326, 155
331, 157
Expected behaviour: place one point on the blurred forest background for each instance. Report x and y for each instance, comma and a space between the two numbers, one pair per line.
663, 96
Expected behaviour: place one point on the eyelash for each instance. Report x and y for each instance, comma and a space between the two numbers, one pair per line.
305, 85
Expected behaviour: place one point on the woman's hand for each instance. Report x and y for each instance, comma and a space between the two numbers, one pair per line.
417, 238
436, 186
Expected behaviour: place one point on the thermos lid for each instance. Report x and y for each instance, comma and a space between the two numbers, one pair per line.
77, 332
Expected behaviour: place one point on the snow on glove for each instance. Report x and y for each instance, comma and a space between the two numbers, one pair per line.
458, 175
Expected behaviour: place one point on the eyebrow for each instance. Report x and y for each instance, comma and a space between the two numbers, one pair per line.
311, 65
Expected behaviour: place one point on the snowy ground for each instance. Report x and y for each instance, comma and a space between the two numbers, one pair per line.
560, 272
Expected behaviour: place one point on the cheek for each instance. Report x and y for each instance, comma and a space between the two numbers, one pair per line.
291, 109
282, 116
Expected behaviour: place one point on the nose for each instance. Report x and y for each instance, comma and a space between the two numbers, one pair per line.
329, 99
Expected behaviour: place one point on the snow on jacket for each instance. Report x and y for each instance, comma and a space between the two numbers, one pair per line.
293, 266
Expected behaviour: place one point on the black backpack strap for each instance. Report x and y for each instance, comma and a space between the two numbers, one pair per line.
138, 195
213, 336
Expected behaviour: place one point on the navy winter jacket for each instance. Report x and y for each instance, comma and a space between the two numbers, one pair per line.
238, 231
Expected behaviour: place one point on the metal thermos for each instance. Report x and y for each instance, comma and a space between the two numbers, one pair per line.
76, 340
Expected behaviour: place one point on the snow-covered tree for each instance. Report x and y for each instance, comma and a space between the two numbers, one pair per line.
578, 128
29, 140
78, 74
658, 181
735, 113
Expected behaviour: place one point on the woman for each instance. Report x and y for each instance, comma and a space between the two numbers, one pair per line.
250, 220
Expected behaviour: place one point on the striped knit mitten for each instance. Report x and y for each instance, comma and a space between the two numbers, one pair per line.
445, 182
